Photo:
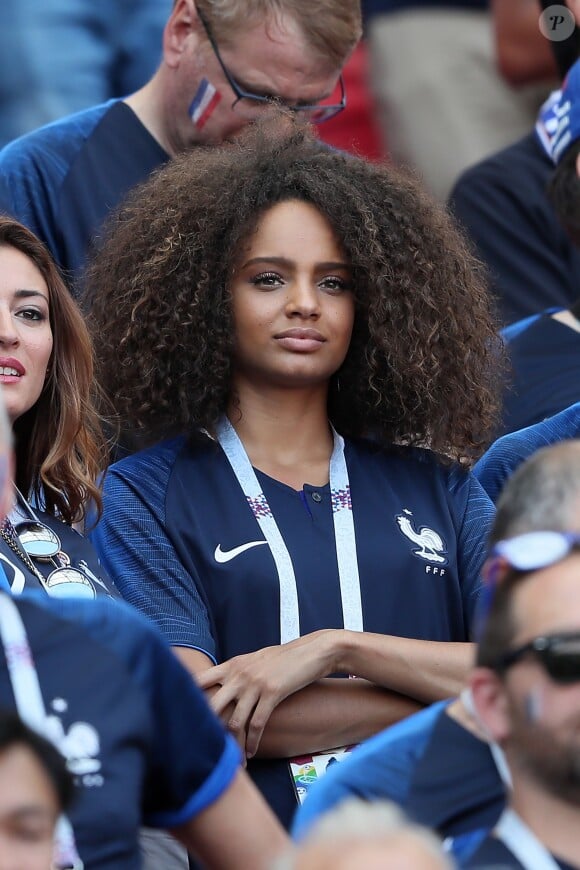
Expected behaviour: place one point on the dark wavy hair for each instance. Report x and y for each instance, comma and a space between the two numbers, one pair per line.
424, 360
59, 445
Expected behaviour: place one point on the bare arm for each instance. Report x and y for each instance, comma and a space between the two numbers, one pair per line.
425, 670
319, 714
237, 830
326, 714
523, 54
279, 692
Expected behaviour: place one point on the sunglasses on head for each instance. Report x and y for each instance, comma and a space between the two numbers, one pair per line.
535, 550
559, 655
530, 551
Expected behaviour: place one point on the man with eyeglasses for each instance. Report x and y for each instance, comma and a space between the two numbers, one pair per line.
224, 62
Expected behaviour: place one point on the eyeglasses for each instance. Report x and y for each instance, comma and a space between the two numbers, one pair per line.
246, 101
531, 551
559, 655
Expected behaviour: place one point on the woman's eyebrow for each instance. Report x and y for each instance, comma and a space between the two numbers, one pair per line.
284, 261
26, 294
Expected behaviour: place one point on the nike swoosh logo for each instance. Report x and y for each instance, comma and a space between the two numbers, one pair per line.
227, 555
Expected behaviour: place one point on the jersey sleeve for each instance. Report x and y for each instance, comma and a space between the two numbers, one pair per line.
507, 453
189, 759
135, 549
29, 182
381, 768
475, 515
192, 761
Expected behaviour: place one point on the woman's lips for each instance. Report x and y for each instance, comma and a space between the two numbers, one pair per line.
301, 340
11, 369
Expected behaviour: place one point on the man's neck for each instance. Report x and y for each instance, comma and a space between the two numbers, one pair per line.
555, 822
146, 104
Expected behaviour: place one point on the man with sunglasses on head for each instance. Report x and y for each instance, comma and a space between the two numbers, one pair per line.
224, 62
526, 683
443, 765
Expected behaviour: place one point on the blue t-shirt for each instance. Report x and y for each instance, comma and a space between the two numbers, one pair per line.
545, 359
75, 549
501, 202
507, 453
110, 684
183, 546
435, 769
63, 179
494, 854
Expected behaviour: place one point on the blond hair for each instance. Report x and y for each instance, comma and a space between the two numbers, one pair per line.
355, 821
331, 28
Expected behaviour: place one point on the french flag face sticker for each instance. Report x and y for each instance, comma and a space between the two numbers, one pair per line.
204, 103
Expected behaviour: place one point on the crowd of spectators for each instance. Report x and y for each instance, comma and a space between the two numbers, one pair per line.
289, 469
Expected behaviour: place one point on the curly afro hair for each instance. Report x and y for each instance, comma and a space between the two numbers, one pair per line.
424, 361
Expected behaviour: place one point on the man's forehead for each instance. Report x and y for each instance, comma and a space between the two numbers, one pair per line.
277, 59
548, 600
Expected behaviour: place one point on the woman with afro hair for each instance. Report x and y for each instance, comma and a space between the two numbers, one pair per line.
303, 344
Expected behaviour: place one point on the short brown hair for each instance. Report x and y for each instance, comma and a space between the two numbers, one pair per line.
331, 27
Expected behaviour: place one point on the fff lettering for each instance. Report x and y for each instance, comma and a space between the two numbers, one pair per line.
434, 569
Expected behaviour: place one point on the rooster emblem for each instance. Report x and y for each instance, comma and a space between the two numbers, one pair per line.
430, 544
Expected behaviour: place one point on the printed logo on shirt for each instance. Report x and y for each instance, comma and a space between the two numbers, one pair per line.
222, 556
80, 745
430, 546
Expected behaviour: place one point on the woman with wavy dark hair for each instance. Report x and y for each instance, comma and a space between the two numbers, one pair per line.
315, 337
46, 372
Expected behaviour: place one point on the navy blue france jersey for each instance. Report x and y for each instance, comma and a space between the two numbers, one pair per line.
507, 453
182, 545
494, 854
137, 734
438, 772
545, 356
63, 179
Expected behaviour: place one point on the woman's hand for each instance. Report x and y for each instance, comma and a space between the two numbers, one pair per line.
251, 686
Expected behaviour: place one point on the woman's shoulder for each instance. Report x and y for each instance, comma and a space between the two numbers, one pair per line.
160, 458
410, 468
403, 457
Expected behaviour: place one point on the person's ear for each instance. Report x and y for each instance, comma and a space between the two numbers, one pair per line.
181, 27
578, 164
490, 703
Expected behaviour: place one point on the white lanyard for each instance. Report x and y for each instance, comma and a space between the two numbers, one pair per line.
343, 533
524, 844
31, 709
495, 749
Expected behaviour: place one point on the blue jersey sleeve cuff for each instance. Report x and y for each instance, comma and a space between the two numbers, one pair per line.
215, 785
